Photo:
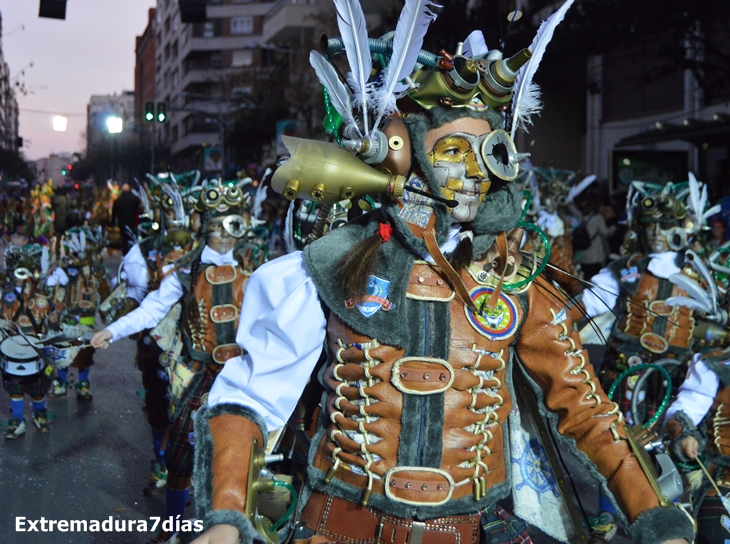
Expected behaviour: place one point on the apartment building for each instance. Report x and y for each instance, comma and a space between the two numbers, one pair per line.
200, 73
8, 105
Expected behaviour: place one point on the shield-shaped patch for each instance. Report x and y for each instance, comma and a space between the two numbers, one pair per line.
375, 299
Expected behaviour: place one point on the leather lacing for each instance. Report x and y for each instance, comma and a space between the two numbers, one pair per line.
491, 418
580, 369
361, 435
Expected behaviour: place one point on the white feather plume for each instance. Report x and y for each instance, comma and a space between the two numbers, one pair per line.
526, 100
407, 40
339, 94
575, 190
354, 33
142, 195
694, 290
701, 268
697, 201
45, 261
76, 244
475, 46
289, 243
172, 191
689, 303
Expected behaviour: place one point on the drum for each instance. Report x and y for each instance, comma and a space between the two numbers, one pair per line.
19, 358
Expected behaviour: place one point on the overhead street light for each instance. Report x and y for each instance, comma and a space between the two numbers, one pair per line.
60, 123
114, 125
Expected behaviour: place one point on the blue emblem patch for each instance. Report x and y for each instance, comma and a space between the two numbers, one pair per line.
630, 274
72, 272
10, 298
375, 299
535, 470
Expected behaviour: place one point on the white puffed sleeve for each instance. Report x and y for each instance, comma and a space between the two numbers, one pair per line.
696, 394
601, 298
151, 311
136, 273
57, 277
282, 328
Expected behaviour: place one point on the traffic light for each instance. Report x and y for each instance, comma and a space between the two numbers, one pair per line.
69, 167
63, 172
149, 111
52, 9
161, 112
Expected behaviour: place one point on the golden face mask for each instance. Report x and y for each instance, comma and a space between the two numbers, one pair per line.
461, 172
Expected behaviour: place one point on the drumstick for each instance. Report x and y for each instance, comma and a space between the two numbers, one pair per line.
723, 499
708, 476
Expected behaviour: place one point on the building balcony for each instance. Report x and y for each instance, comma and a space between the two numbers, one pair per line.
195, 139
289, 19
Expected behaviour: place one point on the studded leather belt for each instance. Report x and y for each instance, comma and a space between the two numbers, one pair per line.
350, 523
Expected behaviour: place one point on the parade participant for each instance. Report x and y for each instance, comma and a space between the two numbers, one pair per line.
695, 418
636, 288
143, 270
24, 307
78, 291
412, 443
644, 287
555, 192
209, 283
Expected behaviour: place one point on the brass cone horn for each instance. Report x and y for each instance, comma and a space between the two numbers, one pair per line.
323, 171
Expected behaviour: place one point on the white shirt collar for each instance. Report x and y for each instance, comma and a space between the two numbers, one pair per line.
211, 257
663, 265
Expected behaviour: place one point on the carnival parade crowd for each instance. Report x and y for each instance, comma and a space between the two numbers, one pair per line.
383, 338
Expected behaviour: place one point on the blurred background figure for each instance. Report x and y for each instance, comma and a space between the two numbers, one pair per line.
594, 258
124, 215
59, 203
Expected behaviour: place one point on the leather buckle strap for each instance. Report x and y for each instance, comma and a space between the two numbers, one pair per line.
351, 523
429, 238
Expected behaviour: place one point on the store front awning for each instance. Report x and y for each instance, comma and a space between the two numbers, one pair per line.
697, 132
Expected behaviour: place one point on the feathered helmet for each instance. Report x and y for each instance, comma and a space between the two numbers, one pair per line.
79, 243
673, 212
375, 118
30, 260
229, 200
175, 196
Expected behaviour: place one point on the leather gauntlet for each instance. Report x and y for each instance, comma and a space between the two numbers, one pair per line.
223, 435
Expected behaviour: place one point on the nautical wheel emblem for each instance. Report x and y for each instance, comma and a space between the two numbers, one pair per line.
535, 469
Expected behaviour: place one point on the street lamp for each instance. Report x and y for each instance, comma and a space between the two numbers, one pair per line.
60, 123
114, 125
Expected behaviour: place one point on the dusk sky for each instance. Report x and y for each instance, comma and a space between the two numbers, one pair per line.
91, 52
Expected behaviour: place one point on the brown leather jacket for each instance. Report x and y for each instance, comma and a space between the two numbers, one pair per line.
428, 431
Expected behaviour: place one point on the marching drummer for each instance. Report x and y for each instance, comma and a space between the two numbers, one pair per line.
25, 317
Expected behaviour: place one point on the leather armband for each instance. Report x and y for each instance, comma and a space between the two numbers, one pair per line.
223, 435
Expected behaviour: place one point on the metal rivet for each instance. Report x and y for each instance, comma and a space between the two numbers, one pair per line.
439, 282
442, 377
420, 280
392, 483
482, 275
408, 485
403, 374
425, 376
439, 487
424, 487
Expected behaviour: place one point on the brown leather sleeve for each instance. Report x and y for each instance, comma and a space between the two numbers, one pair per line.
553, 357
232, 436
